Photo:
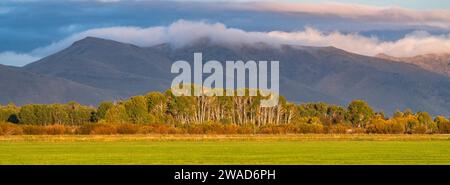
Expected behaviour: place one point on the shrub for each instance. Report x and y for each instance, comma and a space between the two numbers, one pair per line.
194, 129
270, 129
357, 131
145, 129
100, 129
160, 129
306, 128
419, 129
397, 127
392, 126
444, 127
214, 128
316, 128
127, 128
230, 129
56, 129
246, 129
339, 128
10, 129
34, 130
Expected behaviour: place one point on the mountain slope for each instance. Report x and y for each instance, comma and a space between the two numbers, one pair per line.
22, 87
438, 63
124, 68
333, 75
306, 73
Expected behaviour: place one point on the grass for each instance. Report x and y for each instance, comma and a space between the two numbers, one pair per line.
238, 149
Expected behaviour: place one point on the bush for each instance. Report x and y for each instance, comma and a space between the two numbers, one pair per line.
246, 129
398, 127
34, 130
57, 129
419, 129
230, 129
379, 126
10, 129
392, 126
46, 130
127, 128
159, 128
339, 129
271, 129
100, 129
306, 128
299, 128
442, 124
444, 127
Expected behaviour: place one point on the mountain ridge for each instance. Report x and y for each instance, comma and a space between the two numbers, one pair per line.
437, 63
307, 74
22, 87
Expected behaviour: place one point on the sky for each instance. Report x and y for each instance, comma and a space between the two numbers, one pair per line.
32, 29
412, 4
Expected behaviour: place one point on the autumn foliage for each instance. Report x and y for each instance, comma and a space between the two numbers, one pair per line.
164, 113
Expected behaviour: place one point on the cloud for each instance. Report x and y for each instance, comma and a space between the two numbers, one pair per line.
392, 14
415, 43
135, 35
16, 59
182, 33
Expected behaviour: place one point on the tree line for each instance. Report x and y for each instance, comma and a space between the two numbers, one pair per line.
187, 112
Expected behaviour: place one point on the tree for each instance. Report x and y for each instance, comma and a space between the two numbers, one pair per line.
359, 113
9, 113
157, 106
103, 108
426, 122
443, 124
59, 114
424, 118
117, 114
137, 109
398, 114
182, 108
156, 102
79, 114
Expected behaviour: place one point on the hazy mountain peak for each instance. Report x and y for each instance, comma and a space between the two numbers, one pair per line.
437, 63
95, 41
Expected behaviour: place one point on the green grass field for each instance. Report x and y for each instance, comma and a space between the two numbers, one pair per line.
307, 149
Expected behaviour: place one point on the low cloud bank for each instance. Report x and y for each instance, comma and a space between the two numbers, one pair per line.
391, 14
182, 33
16, 59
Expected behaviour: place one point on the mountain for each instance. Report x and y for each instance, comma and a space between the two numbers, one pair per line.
123, 68
438, 63
22, 87
307, 74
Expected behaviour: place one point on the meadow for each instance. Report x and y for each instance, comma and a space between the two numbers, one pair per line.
226, 149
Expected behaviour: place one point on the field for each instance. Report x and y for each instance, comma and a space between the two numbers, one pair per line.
199, 149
